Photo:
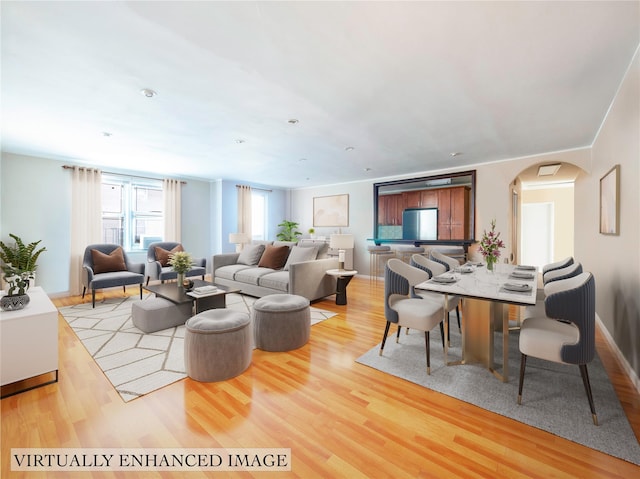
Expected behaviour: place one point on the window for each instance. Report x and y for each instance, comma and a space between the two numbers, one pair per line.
132, 211
259, 215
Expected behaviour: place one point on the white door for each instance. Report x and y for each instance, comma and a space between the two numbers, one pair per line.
536, 245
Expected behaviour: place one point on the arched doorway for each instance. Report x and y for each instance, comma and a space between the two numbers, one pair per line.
542, 213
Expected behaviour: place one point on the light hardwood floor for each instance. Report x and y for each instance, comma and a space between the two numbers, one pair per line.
340, 419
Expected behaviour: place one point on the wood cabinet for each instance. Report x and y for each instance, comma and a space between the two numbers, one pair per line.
390, 208
453, 213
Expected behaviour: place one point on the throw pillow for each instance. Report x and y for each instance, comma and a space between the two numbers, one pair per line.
251, 254
300, 254
274, 257
163, 255
106, 263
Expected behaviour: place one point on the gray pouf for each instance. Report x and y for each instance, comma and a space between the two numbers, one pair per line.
217, 345
281, 322
156, 314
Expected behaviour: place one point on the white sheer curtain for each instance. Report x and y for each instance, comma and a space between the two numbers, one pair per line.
86, 219
172, 194
244, 210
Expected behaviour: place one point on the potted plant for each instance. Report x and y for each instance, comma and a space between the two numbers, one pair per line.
181, 262
312, 233
289, 232
19, 267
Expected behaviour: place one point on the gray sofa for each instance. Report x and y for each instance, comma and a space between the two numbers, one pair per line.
303, 273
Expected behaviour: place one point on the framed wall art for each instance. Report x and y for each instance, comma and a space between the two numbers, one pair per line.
610, 202
331, 210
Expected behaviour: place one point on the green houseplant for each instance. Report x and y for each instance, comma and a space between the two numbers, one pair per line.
289, 231
181, 262
19, 267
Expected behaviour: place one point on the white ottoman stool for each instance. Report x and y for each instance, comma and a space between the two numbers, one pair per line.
217, 345
156, 314
281, 322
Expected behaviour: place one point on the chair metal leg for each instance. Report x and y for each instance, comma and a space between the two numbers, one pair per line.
93, 297
426, 340
124, 289
384, 338
587, 387
523, 364
148, 278
442, 332
140, 290
398, 334
84, 290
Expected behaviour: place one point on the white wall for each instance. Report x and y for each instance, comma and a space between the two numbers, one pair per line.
615, 260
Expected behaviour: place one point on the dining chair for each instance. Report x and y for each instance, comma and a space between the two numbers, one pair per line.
538, 309
447, 261
433, 268
567, 333
401, 309
557, 265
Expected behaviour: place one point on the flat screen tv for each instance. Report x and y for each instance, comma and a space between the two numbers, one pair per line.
420, 224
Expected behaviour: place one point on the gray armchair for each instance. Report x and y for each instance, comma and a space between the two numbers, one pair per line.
158, 268
107, 266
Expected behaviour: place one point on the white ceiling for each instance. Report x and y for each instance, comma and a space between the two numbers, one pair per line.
403, 83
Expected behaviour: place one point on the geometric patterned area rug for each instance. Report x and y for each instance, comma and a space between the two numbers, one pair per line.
553, 396
137, 363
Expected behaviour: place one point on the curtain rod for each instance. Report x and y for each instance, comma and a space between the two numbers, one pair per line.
259, 189
70, 167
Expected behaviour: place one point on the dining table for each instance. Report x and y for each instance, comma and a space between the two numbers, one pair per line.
486, 296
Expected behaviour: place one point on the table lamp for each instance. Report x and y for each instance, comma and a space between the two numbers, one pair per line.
341, 243
239, 239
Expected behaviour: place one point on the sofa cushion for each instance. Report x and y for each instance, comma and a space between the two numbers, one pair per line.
251, 275
299, 254
251, 254
163, 255
274, 257
278, 280
229, 271
107, 263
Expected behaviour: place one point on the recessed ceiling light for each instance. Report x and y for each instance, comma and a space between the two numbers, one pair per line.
107, 134
148, 92
302, 159
367, 169
349, 148
548, 170
455, 153
293, 121
239, 141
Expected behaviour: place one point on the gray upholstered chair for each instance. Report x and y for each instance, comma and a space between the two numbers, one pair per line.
107, 266
447, 261
557, 265
401, 309
433, 268
574, 269
158, 268
567, 333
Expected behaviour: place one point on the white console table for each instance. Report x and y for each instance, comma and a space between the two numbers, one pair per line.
29, 340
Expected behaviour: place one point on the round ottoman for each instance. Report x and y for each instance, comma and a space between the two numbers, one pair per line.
281, 322
217, 345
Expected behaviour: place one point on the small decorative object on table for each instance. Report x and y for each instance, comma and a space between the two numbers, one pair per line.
490, 246
19, 267
181, 262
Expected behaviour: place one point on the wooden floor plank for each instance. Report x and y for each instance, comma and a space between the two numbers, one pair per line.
340, 418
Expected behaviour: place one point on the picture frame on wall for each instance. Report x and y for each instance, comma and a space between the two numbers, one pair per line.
610, 202
331, 211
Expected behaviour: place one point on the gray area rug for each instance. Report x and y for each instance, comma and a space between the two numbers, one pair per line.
553, 396
137, 363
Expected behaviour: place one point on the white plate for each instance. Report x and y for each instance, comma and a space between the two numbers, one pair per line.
517, 287
443, 279
520, 274
527, 268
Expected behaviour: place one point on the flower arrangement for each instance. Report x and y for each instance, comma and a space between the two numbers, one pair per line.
490, 246
181, 262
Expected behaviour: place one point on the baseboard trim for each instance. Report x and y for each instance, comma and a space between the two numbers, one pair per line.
633, 377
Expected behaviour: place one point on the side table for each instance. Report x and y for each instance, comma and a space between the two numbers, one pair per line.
343, 277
